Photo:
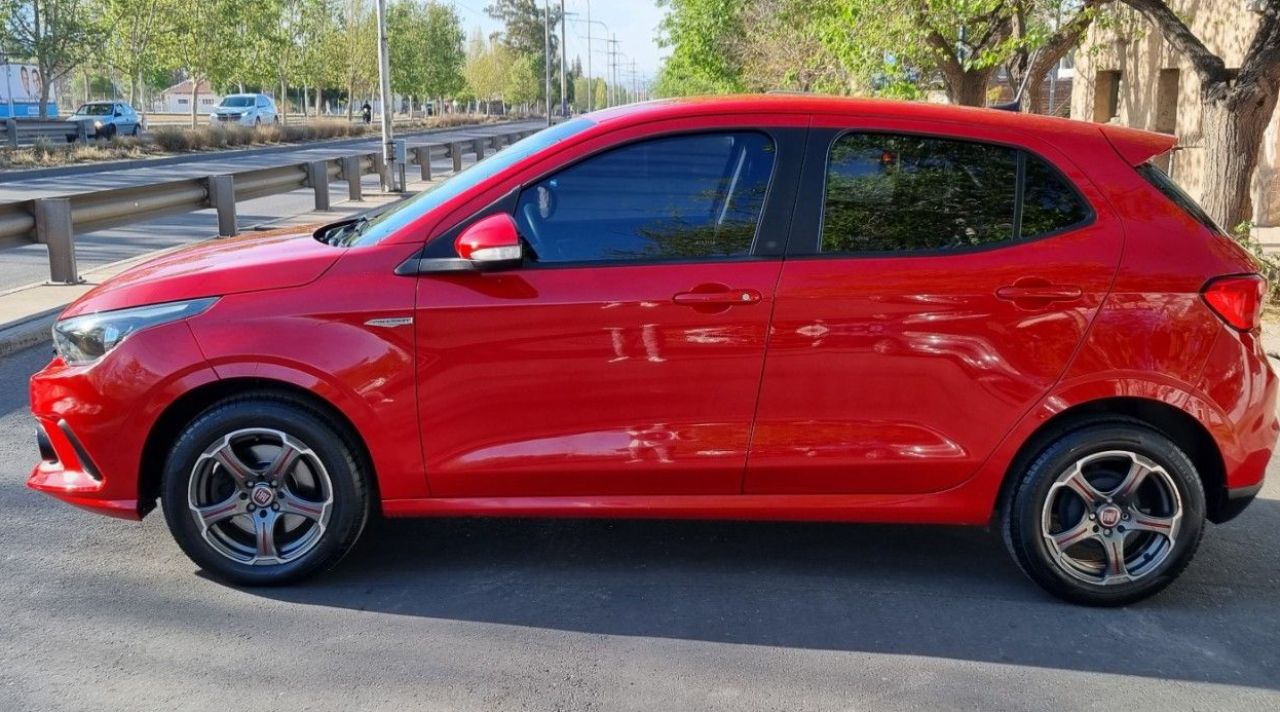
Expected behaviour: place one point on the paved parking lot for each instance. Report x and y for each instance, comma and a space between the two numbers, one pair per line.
98, 614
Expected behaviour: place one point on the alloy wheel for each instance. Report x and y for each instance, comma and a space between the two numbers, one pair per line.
260, 497
1112, 517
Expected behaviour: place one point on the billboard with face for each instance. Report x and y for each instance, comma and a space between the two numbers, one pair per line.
20, 86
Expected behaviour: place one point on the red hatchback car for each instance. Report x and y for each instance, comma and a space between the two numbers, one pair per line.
753, 308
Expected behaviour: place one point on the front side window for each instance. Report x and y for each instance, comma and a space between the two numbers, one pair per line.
892, 193
687, 197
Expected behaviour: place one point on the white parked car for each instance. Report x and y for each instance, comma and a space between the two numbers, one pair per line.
246, 110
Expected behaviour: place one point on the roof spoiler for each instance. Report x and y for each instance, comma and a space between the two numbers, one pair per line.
1137, 146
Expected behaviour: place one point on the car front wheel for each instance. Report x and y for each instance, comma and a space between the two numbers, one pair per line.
1108, 514
264, 490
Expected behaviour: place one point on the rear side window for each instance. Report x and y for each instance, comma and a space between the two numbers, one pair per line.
1049, 203
1163, 183
675, 198
900, 193
889, 193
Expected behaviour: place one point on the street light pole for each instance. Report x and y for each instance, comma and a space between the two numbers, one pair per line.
591, 82
546, 54
564, 65
384, 89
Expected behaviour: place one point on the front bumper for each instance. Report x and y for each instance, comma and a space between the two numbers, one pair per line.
94, 420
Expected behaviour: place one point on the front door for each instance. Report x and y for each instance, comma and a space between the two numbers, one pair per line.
939, 286
624, 356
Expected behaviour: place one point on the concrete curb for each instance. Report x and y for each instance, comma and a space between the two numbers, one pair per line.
200, 156
29, 332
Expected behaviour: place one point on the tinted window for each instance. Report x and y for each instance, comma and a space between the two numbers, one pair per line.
1049, 203
1174, 192
400, 214
890, 193
683, 197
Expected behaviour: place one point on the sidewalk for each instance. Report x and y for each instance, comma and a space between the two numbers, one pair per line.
27, 312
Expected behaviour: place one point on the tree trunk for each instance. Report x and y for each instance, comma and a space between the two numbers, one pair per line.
968, 88
1232, 125
195, 98
283, 108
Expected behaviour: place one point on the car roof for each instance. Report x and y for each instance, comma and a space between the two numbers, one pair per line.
1133, 144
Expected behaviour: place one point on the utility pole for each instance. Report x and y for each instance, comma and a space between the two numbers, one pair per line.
591, 89
564, 65
546, 55
613, 70
384, 89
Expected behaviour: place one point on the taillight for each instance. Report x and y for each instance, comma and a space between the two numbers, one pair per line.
1237, 299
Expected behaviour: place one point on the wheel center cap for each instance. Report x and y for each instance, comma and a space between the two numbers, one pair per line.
262, 495
1109, 516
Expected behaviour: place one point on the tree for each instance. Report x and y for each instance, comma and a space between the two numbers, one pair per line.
204, 41
524, 31
1043, 32
487, 69
1235, 107
59, 35
134, 31
704, 36
523, 82
406, 22
443, 55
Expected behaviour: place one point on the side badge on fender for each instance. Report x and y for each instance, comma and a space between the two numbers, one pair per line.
390, 321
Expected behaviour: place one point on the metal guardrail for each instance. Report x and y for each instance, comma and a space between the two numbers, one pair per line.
28, 131
55, 221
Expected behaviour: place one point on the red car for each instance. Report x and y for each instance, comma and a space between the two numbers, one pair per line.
779, 307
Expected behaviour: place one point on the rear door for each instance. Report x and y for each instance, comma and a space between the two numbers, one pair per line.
624, 356
939, 283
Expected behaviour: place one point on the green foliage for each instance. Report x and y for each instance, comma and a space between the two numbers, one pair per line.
1268, 264
523, 83
524, 32
58, 35
702, 36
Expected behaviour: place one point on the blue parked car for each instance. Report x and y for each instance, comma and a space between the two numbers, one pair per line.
105, 119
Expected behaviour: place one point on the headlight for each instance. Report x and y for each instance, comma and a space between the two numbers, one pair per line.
97, 124
84, 339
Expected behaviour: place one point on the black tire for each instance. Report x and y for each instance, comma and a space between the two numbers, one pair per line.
107, 132
1024, 513
328, 451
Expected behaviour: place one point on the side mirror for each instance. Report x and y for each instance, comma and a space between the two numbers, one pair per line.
491, 243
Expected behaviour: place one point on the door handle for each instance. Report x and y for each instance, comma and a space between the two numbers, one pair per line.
725, 298
1039, 293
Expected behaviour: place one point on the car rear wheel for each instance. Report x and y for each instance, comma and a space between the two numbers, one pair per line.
263, 490
1107, 514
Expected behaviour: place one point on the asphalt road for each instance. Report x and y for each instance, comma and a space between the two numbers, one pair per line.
99, 614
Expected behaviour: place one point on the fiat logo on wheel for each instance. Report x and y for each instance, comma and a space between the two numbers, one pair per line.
262, 495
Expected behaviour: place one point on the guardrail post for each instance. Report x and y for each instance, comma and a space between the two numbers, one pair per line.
11, 132
222, 197
455, 152
318, 177
478, 146
380, 167
351, 171
423, 156
82, 131
53, 228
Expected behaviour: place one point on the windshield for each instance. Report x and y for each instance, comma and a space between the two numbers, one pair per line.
94, 110
237, 101
375, 229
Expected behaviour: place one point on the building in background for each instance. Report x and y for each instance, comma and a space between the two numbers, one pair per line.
177, 98
1126, 73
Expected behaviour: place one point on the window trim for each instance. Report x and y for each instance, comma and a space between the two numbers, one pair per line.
752, 255
1021, 153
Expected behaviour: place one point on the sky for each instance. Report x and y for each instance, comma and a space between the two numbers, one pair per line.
635, 22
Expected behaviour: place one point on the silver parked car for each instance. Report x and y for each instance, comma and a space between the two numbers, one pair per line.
104, 119
245, 109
